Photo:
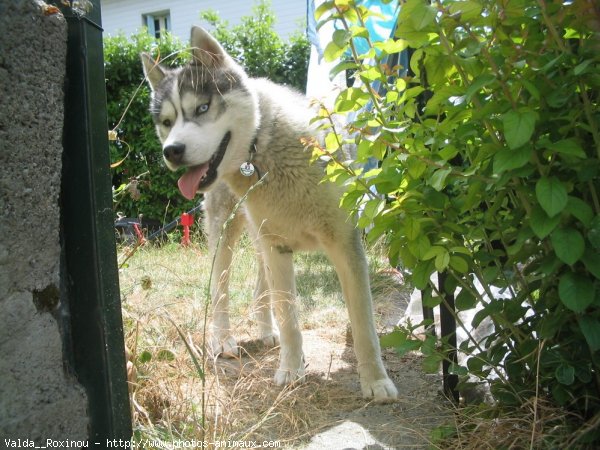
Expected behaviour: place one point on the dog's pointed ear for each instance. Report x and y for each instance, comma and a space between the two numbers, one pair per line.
206, 50
153, 71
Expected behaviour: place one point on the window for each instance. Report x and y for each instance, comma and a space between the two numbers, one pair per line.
157, 22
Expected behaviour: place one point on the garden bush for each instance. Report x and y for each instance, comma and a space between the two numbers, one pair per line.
488, 154
142, 183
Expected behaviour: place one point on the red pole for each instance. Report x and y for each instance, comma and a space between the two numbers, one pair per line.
187, 220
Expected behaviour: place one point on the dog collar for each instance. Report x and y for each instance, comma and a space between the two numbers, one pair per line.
248, 168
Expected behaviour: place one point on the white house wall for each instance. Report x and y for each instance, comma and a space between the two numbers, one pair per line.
126, 15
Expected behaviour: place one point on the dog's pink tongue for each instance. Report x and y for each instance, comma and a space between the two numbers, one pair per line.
190, 181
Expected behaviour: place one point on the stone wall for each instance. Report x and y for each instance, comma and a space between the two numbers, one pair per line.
39, 400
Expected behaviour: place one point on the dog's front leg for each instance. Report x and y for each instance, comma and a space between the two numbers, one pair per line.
279, 271
221, 241
221, 341
348, 257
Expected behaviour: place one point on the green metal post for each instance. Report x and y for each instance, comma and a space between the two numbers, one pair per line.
89, 273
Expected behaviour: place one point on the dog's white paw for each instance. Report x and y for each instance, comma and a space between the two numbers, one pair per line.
270, 341
382, 390
290, 372
224, 346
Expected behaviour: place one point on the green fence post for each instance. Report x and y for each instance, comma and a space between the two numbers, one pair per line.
89, 264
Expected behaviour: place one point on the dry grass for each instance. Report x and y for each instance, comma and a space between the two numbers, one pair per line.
537, 424
164, 291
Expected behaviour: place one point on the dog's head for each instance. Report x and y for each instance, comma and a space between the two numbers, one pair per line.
195, 109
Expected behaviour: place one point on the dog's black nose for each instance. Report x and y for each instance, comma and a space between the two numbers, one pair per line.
174, 152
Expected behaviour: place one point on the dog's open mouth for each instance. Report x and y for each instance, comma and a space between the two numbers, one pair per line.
200, 177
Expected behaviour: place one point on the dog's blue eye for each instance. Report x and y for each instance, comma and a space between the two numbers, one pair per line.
166, 123
202, 108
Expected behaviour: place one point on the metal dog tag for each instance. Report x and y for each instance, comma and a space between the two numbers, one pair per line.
247, 169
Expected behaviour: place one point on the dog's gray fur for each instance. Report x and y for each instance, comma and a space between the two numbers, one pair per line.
211, 107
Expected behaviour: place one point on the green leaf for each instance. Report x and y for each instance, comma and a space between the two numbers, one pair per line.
431, 364
459, 264
448, 152
475, 364
350, 99
438, 67
422, 273
415, 39
441, 97
412, 228
358, 31
581, 210
492, 308
565, 374
433, 251
583, 373
419, 246
567, 147
593, 234
532, 89
507, 159
477, 84
468, 10
581, 68
392, 339
541, 224
568, 244
323, 8
332, 142
590, 327
518, 127
442, 260
145, 356
333, 51
465, 300
400, 342
165, 355
551, 194
561, 394
591, 260
407, 346
431, 301
343, 65
490, 274
438, 179
461, 249
415, 167
457, 369
418, 13
391, 46
341, 37
550, 325
575, 291
371, 74
373, 208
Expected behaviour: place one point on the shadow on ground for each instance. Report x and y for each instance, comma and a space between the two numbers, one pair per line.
328, 412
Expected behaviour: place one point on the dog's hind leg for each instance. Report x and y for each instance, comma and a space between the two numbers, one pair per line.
347, 255
263, 313
279, 271
218, 205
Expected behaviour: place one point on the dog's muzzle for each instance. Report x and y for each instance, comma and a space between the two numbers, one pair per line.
173, 153
199, 178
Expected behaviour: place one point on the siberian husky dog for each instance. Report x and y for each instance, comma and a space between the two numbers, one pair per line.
227, 131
